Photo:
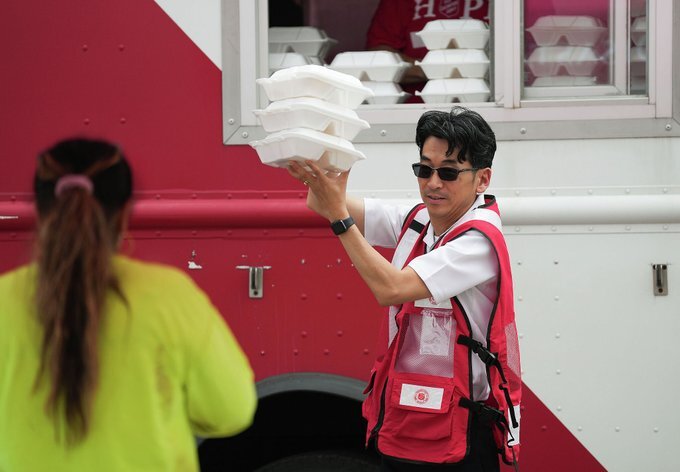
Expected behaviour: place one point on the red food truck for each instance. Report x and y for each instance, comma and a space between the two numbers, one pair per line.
587, 177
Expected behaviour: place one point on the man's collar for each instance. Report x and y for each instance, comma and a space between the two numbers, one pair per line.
430, 238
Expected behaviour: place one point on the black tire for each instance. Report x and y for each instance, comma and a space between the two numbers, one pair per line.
323, 461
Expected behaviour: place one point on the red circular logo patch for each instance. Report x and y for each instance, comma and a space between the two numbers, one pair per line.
421, 396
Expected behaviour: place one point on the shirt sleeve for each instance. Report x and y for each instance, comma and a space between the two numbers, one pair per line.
386, 27
464, 263
382, 222
220, 386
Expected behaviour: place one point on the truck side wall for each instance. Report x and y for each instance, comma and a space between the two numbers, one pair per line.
590, 325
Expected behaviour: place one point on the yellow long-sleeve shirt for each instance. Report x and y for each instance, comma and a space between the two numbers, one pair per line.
169, 369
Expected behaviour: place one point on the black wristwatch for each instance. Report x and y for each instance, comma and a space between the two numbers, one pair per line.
340, 226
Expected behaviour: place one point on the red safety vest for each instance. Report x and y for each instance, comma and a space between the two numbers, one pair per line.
419, 397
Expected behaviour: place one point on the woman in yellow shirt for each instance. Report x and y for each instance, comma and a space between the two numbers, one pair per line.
107, 363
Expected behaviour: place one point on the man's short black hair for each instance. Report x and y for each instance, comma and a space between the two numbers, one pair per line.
464, 130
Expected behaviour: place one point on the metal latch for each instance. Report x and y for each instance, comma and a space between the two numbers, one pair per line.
660, 279
255, 279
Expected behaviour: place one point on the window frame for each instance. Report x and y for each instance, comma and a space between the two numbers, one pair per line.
244, 58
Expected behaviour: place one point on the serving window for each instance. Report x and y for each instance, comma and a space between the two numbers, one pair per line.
584, 48
406, 51
523, 64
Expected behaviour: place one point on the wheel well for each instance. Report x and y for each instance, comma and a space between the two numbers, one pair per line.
286, 423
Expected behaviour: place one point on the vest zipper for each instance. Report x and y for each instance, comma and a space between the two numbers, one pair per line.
381, 415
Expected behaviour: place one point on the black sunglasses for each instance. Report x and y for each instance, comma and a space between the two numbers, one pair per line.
448, 174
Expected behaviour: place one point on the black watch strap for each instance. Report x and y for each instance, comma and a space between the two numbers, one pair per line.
340, 226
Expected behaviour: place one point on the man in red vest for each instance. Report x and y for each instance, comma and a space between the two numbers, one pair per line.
445, 387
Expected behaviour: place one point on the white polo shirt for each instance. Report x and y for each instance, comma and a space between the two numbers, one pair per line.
466, 267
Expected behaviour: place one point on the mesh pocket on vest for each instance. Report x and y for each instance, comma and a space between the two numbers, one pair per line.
427, 343
513, 348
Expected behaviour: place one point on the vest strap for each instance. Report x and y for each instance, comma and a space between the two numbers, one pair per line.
490, 415
416, 226
506, 393
484, 412
487, 357
490, 359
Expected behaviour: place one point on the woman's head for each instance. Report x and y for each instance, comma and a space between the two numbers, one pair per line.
82, 189
99, 161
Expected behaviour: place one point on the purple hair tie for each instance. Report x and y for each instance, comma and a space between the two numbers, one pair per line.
72, 180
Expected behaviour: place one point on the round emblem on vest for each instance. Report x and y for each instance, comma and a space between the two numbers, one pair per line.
421, 396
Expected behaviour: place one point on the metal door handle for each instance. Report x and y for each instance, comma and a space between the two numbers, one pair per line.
660, 279
255, 280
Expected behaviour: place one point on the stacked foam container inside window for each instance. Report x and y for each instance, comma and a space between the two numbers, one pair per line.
311, 117
638, 47
378, 70
457, 63
297, 46
567, 51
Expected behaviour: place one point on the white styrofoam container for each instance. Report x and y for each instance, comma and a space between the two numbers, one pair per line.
283, 60
313, 113
446, 90
638, 61
315, 81
447, 63
381, 66
638, 31
386, 93
564, 81
577, 30
300, 144
463, 34
305, 40
548, 60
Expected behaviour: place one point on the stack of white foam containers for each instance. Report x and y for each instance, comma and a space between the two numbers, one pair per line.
296, 46
456, 64
566, 50
638, 49
638, 55
311, 117
378, 70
